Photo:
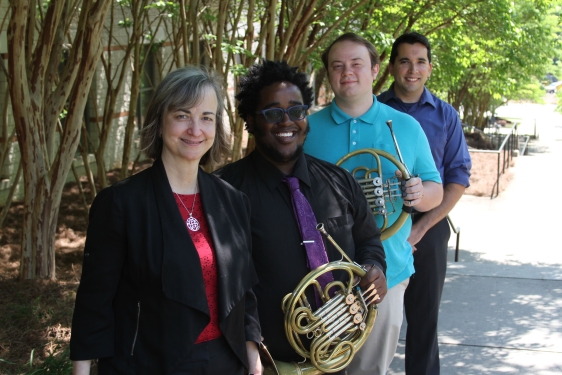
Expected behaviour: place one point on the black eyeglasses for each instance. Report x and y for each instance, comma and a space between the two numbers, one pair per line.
275, 115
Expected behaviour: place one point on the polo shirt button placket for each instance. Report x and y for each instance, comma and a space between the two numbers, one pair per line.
353, 138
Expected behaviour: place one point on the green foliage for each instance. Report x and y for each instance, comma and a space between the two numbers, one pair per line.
209, 37
239, 70
170, 8
5, 366
498, 51
127, 22
57, 363
559, 97
208, 16
236, 48
532, 91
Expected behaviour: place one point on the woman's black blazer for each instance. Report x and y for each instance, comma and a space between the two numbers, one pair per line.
141, 302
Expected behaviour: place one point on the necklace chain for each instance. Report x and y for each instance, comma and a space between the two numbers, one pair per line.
191, 222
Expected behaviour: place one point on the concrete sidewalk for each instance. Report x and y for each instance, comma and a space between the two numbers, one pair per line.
501, 310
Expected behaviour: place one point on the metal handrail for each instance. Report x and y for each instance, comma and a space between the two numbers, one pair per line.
508, 156
457, 231
525, 144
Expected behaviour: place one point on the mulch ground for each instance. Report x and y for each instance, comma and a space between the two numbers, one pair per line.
483, 178
35, 315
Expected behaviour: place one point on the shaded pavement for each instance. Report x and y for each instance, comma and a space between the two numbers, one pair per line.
501, 310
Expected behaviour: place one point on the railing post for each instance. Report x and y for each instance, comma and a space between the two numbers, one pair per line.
457, 231
457, 248
507, 148
503, 161
498, 176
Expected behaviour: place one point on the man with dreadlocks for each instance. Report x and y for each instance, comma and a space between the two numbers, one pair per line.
273, 101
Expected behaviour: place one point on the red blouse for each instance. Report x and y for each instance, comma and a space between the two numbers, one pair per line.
204, 245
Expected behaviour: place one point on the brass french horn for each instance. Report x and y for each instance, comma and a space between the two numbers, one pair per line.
382, 195
337, 329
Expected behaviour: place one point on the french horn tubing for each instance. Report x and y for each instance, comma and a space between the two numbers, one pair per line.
382, 195
336, 330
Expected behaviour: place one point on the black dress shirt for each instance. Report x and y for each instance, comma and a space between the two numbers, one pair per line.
279, 258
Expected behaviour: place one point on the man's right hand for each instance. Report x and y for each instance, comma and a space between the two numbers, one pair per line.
375, 276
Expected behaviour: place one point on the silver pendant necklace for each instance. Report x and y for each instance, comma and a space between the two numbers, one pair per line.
191, 222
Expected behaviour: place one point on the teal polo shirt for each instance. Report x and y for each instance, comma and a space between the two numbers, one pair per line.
333, 134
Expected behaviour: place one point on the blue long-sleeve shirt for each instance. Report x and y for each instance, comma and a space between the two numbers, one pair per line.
443, 129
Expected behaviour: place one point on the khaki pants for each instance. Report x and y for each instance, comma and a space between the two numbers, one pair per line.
375, 356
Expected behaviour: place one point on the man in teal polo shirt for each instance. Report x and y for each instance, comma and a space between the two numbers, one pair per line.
356, 120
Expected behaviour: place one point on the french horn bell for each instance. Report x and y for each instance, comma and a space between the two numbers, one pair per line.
382, 195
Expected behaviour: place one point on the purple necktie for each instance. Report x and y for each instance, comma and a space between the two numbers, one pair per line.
311, 237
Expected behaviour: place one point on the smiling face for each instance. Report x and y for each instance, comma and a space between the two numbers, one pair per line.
410, 70
188, 133
350, 72
280, 143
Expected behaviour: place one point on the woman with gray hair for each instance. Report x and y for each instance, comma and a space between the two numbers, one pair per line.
167, 279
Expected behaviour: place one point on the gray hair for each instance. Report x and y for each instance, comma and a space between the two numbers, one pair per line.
179, 89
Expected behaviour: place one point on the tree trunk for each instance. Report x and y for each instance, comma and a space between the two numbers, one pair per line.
86, 162
10, 197
238, 133
318, 83
383, 77
140, 55
130, 127
44, 180
272, 16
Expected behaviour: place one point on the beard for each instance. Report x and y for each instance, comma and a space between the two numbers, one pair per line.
273, 153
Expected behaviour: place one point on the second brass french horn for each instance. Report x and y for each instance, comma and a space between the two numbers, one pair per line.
381, 194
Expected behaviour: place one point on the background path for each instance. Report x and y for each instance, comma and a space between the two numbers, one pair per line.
501, 310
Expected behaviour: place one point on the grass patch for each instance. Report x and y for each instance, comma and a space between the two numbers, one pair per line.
35, 317
56, 362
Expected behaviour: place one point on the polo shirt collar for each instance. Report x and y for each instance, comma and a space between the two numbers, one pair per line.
272, 176
368, 117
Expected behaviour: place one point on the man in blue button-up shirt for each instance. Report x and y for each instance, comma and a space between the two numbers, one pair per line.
410, 65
